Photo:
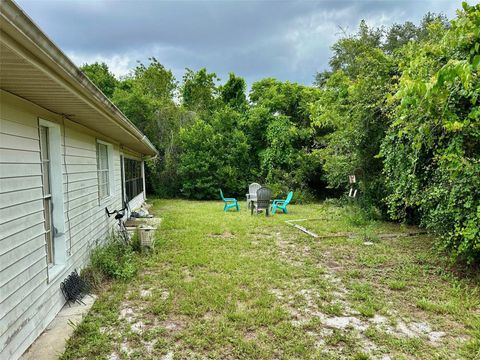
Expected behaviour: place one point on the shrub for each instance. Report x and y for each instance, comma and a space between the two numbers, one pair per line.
114, 260
215, 155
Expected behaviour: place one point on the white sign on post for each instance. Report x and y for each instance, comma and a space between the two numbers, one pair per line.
352, 180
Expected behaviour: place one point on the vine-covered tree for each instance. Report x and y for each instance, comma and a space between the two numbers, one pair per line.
431, 151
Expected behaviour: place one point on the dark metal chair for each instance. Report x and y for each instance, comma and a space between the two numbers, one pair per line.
264, 197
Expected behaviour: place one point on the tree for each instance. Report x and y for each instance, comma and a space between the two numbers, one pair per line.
233, 93
351, 115
155, 80
346, 50
321, 78
400, 34
432, 147
101, 76
199, 90
147, 99
215, 155
280, 134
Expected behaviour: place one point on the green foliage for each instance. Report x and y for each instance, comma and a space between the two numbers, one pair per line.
400, 35
155, 81
347, 49
351, 114
431, 151
281, 137
114, 259
199, 90
233, 93
147, 99
99, 74
215, 155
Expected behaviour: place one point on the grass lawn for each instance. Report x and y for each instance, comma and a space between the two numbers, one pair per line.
231, 285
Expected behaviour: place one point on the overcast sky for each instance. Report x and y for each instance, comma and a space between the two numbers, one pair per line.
289, 40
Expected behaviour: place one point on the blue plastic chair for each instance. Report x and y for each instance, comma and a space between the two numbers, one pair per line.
229, 202
282, 204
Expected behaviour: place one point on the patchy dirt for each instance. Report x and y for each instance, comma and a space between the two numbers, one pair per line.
125, 348
164, 294
145, 293
349, 321
225, 235
113, 356
138, 327
168, 356
127, 314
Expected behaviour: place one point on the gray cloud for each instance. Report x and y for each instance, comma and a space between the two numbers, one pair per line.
289, 40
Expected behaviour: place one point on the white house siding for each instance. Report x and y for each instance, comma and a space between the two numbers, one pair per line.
29, 300
137, 201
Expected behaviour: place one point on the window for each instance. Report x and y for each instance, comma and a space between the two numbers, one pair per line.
47, 193
103, 170
53, 201
133, 178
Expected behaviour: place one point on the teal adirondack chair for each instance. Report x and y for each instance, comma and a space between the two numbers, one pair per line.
282, 204
229, 202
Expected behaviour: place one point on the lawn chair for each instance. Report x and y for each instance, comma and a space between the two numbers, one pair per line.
252, 193
229, 202
263, 198
282, 204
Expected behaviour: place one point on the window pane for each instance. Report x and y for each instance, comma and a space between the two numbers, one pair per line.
48, 230
45, 156
104, 157
103, 171
44, 142
46, 177
133, 178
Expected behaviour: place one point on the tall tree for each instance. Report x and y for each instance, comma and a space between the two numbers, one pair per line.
346, 50
351, 115
215, 155
147, 98
155, 81
101, 76
199, 90
233, 91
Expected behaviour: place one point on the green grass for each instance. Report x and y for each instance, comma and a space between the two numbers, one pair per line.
230, 285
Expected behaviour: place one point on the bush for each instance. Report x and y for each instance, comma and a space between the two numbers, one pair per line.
215, 155
114, 260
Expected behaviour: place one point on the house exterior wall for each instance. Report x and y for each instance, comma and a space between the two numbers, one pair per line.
30, 295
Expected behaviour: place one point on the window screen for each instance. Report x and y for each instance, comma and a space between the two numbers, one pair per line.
133, 178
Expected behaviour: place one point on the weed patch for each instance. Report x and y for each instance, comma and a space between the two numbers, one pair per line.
113, 260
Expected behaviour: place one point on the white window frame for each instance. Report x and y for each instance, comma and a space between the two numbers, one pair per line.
57, 197
111, 171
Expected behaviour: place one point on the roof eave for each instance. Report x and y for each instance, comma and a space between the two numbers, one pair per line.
20, 27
